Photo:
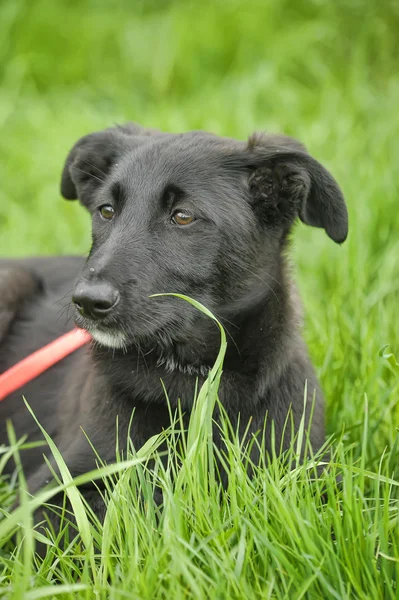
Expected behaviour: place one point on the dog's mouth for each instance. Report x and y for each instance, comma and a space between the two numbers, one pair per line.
174, 352
116, 334
106, 335
110, 338
115, 337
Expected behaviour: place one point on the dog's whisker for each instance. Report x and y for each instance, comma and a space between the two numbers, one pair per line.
264, 282
89, 174
68, 293
224, 320
64, 312
230, 335
91, 164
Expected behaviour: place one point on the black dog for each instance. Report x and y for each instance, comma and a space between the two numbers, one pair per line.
191, 213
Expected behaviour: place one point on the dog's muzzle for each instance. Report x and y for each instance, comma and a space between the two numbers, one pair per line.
95, 300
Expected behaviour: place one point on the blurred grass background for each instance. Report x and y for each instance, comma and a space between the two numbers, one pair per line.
324, 72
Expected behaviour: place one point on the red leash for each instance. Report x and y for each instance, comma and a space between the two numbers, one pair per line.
36, 363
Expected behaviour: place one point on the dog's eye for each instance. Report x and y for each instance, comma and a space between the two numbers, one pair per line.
181, 217
107, 212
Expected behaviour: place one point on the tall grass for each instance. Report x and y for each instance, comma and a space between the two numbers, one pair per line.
277, 529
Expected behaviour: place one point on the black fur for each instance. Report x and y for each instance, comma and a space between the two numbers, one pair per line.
245, 197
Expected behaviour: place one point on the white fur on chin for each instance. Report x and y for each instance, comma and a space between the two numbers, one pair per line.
110, 339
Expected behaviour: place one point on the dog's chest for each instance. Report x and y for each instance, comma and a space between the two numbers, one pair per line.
152, 379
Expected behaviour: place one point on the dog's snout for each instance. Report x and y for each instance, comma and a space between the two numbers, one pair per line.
95, 300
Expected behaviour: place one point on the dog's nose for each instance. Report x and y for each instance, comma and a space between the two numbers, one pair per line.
95, 300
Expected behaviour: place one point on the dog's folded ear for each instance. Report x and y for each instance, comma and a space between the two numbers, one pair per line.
93, 156
283, 176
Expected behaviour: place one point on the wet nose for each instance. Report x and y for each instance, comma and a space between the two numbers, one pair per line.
95, 300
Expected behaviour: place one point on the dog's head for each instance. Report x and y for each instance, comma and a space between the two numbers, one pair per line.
189, 213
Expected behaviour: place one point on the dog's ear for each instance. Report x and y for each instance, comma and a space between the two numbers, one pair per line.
288, 182
93, 156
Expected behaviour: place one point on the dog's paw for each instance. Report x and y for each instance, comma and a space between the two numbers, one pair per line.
16, 286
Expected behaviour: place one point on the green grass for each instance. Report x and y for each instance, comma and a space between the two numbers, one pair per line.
325, 73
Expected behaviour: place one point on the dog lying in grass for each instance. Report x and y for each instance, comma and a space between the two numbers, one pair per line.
194, 214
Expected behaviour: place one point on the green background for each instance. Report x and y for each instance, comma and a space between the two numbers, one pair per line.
323, 72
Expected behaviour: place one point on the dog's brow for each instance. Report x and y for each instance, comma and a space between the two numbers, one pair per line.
117, 192
170, 193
